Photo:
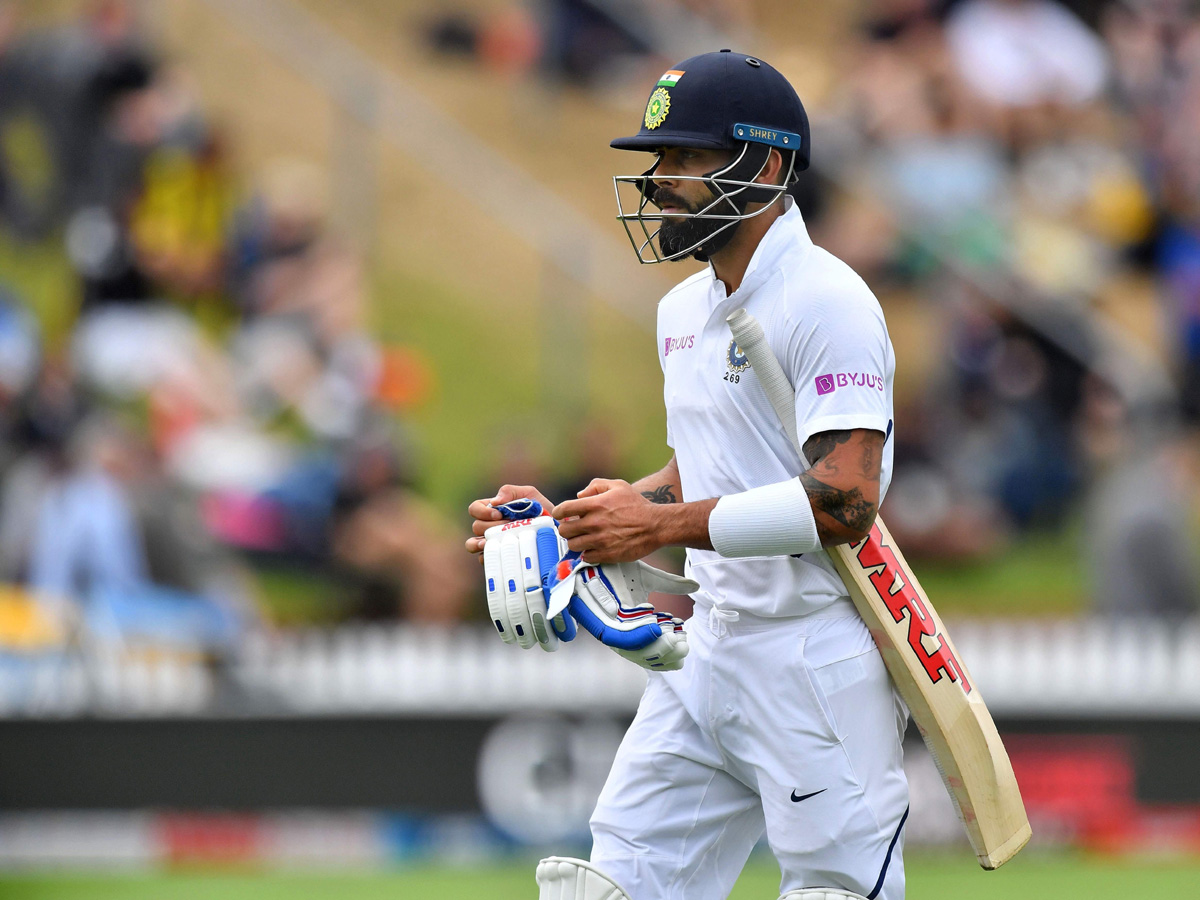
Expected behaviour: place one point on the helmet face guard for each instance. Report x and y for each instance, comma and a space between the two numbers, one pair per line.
733, 187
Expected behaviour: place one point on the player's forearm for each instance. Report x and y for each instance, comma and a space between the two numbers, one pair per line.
835, 505
679, 524
834, 502
663, 486
615, 521
789, 518
686, 524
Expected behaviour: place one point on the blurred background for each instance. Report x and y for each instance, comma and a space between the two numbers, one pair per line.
284, 284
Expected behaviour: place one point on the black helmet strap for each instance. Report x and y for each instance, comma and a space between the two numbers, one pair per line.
734, 198
745, 167
730, 197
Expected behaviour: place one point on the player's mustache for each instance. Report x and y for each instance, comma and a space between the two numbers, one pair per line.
664, 198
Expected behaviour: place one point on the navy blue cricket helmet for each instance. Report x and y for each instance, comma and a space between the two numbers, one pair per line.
722, 101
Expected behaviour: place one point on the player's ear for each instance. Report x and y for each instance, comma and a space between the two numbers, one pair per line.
772, 170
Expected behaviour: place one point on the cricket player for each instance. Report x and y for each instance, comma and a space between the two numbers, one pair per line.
782, 718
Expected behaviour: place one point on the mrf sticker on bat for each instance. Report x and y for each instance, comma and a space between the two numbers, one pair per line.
895, 587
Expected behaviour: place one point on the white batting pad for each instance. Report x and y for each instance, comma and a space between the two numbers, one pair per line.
821, 894
562, 878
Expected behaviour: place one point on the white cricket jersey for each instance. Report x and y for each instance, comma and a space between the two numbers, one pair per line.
827, 330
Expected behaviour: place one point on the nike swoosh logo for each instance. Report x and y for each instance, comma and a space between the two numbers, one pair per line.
796, 799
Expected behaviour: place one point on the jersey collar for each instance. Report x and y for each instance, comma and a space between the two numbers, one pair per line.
786, 232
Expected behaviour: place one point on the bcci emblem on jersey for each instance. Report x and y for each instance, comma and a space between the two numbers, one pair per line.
736, 359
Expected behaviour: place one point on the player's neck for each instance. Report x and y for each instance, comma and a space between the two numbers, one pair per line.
731, 261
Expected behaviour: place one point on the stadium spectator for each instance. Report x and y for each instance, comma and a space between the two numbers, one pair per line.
1142, 555
1025, 53
87, 517
589, 43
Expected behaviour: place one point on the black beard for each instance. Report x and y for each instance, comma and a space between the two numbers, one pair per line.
675, 237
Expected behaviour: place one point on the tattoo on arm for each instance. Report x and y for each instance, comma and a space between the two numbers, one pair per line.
820, 445
849, 508
843, 482
662, 486
661, 494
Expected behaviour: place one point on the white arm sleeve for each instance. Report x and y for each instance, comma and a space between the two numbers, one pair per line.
773, 520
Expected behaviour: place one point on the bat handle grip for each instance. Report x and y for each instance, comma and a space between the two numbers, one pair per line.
752, 341
744, 327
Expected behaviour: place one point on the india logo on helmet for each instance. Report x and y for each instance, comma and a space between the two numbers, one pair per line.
657, 108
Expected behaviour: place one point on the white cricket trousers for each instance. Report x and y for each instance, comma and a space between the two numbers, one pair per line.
788, 725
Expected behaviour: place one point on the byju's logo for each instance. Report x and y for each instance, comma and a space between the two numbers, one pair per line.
827, 384
678, 343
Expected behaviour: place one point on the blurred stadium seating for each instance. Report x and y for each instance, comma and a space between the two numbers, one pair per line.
285, 283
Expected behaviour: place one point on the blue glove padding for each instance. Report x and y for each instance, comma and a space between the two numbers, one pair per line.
548, 544
520, 509
547, 548
609, 601
634, 639
519, 560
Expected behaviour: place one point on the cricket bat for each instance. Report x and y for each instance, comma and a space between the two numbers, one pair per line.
920, 657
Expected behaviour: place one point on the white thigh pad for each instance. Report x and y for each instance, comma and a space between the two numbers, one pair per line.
563, 878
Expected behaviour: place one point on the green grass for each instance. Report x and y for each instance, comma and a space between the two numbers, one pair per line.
930, 877
479, 382
503, 371
1041, 575
299, 596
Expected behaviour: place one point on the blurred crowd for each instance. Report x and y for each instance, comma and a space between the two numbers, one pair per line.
588, 43
217, 409
1027, 174
1030, 171
218, 433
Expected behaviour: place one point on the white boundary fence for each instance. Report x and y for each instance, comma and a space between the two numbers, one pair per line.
1086, 668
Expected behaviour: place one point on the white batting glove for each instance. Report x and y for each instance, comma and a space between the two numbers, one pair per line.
609, 601
519, 557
